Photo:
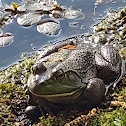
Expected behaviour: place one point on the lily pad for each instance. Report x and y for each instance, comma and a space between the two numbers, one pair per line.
56, 14
73, 14
9, 7
28, 19
1, 31
39, 5
30, 1
49, 28
6, 39
1, 12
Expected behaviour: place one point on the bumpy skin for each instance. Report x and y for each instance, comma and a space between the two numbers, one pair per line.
108, 63
90, 71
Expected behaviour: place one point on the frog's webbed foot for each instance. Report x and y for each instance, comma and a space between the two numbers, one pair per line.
38, 110
107, 88
34, 106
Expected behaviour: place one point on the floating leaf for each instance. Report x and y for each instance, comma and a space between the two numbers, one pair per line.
1, 31
48, 2
56, 14
73, 14
1, 14
6, 39
39, 4
28, 19
49, 27
9, 7
0, 4
98, 2
22, 8
31, 1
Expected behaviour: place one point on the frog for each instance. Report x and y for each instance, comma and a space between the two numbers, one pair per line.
73, 74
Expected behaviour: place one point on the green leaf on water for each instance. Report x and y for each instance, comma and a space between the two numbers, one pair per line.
29, 19
49, 27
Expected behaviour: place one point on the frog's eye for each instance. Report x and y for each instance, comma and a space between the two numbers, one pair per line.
59, 75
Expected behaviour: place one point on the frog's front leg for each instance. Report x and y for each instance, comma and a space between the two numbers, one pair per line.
94, 91
110, 66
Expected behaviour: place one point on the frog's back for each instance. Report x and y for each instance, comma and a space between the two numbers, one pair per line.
82, 61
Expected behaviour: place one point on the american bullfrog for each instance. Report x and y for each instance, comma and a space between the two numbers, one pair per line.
73, 73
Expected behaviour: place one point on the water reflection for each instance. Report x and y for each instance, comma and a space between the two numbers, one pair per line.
28, 39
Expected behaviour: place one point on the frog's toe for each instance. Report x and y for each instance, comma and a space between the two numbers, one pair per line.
107, 88
32, 112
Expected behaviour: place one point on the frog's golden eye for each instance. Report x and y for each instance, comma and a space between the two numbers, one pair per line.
59, 75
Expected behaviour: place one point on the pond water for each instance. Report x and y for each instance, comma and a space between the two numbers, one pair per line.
28, 40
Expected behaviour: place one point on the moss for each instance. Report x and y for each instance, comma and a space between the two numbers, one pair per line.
115, 114
114, 118
5, 114
19, 71
95, 122
9, 93
13, 98
52, 121
6, 89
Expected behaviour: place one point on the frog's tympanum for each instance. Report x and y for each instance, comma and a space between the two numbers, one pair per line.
69, 74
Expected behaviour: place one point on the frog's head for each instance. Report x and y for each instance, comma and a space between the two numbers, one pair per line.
53, 80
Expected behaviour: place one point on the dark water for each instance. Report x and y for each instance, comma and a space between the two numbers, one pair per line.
28, 39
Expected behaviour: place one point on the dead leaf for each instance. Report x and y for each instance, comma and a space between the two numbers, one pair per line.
67, 47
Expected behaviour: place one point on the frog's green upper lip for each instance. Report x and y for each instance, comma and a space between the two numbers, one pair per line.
59, 95
51, 89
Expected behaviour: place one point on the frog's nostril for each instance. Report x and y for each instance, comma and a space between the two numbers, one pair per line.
38, 68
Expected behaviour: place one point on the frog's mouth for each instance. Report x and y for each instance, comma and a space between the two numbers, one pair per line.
51, 89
